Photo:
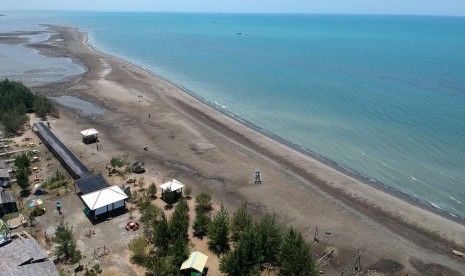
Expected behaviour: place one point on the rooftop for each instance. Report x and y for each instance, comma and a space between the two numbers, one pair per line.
104, 197
91, 183
89, 132
172, 185
25, 257
196, 261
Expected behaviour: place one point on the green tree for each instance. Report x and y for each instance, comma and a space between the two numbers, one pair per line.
66, 243
203, 202
179, 223
218, 232
22, 178
241, 221
179, 250
150, 214
296, 257
200, 225
246, 257
152, 190
162, 233
169, 197
22, 161
13, 121
270, 238
43, 106
138, 247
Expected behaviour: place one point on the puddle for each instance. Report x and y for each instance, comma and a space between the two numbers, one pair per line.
78, 104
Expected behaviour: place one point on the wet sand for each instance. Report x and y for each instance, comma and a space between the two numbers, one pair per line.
201, 147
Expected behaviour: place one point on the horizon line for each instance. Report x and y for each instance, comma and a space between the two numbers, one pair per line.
236, 12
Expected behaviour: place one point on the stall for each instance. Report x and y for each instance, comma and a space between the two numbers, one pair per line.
89, 136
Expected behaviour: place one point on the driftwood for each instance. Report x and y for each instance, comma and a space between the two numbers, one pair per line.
458, 253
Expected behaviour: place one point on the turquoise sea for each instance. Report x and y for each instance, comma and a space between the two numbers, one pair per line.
381, 96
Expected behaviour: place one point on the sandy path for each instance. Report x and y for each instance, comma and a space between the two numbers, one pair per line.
207, 150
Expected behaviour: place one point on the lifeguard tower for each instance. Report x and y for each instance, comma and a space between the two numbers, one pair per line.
258, 176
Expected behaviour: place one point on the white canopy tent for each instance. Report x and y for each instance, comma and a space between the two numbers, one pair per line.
105, 200
89, 136
172, 185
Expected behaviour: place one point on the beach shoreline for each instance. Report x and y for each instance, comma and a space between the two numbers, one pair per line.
325, 160
312, 177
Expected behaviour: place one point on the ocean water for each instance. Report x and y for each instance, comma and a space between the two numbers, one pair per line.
382, 96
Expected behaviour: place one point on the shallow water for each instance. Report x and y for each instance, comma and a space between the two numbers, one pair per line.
20, 63
83, 106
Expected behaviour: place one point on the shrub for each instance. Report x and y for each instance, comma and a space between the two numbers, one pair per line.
203, 202
38, 212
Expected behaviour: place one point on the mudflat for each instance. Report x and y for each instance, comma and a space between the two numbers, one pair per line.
198, 145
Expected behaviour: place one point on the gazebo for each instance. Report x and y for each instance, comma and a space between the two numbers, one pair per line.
172, 185
195, 265
89, 136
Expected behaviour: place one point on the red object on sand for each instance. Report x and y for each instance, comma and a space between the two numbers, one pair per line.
132, 226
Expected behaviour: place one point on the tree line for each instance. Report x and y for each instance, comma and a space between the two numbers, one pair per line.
245, 246
16, 100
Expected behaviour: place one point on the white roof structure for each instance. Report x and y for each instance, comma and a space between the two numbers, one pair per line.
196, 261
104, 197
89, 132
172, 185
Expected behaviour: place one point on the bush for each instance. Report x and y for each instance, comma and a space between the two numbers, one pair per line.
38, 212
187, 191
203, 202
58, 180
152, 190
138, 247
118, 161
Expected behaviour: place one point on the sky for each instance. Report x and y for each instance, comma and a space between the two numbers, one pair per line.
423, 7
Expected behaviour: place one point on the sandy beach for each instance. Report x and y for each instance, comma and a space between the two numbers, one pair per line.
208, 150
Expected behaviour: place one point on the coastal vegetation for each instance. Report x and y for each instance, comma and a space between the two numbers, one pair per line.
164, 244
244, 246
16, 100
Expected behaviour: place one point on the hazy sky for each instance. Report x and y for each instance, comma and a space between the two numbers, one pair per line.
431, 7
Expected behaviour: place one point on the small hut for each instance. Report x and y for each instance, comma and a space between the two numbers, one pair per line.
172, 185
195, 265
7, 203
89, 136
